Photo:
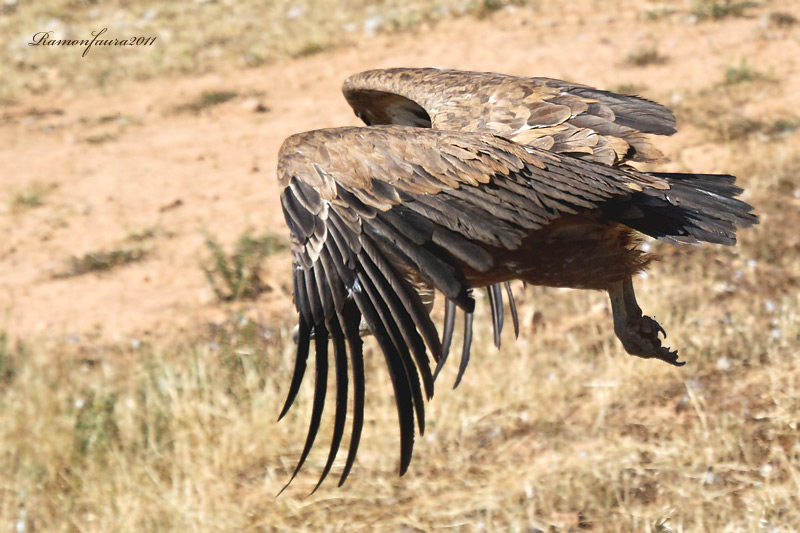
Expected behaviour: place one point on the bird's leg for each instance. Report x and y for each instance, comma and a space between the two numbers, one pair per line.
637, 332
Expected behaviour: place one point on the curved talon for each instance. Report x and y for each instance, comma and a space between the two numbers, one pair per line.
671, 357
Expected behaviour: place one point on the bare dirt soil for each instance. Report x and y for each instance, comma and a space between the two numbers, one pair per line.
112, 166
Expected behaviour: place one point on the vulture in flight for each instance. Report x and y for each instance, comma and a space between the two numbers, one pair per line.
464, 180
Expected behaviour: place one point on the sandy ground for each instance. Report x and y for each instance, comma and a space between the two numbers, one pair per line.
111, 166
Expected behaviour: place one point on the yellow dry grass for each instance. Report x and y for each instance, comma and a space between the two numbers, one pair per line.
557, 431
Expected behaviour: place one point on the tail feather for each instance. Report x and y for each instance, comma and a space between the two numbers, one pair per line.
697, 207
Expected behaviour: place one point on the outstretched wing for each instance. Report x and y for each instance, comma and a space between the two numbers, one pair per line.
373, 211
547, 113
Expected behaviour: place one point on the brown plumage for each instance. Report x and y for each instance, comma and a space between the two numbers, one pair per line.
379, 213
552, 114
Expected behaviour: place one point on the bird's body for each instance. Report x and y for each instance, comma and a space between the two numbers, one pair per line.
524, 221
576, 252
382, 215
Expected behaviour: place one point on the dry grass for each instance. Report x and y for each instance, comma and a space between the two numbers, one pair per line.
718, 108
192, 37
558, 431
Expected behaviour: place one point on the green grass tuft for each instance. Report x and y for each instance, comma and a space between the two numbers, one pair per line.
238, 276
101, 261
721, 9
206, 100
781, 19
309, 49
95, 430
29, 198
9, 360
645, 56
743, 73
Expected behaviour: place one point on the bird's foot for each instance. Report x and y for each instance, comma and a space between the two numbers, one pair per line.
638, 333
640, 338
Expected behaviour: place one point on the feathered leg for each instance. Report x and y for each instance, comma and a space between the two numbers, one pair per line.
637, 332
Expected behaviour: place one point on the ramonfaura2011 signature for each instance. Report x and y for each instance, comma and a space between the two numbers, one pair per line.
43, 38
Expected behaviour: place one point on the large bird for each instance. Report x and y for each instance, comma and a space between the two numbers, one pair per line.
466, 180
556, 115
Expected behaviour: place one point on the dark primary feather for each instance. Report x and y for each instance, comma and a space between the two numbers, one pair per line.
375, 211
512, 305
320, 388
465, 351
496, 301
447, 334
301, 358
406, 387
352, 317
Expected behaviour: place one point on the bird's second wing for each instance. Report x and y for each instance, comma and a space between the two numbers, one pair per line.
547, 113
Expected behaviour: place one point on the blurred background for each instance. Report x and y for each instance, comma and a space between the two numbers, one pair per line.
145, 290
